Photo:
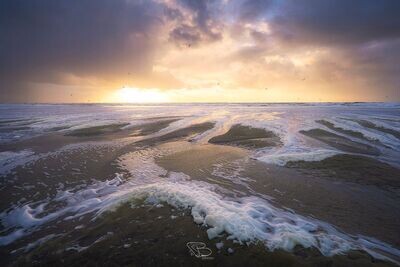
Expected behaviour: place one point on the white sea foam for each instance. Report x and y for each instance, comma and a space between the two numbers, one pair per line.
244, 219
282, 158
286, 120
368, 133
9, 159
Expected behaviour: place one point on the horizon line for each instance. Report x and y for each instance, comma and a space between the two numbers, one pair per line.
196, 102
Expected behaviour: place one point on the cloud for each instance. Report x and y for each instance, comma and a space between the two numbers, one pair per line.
327, 21
254, 9
181, 44
362, 38
186, 35
40, 39
200, 23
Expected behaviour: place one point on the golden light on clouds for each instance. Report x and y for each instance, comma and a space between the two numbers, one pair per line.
203, 51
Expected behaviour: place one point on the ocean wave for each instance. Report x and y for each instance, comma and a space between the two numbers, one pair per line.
245, 219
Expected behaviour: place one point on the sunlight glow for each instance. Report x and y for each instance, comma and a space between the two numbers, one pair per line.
134, 95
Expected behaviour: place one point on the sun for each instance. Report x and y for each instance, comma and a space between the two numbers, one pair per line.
135, 95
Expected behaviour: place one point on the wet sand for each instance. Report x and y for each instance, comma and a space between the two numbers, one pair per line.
341, 142
150, 128
42, 178
371, 125
146, 235
11, 129
353, 168
55, 140
97, 130
355, 208
6, 122
18, 122
341, 130
198, 162
246, 136
9, 126
77, 165
187, 131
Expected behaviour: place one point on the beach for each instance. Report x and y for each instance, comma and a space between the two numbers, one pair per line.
290, 184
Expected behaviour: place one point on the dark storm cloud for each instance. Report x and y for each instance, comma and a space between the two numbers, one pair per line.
186, 34
201, 11
204, 22
47, 41
367, 33
339, 21
327, 21
173, 13
379, 61
71, 33
39, 39
364, 32
253, 9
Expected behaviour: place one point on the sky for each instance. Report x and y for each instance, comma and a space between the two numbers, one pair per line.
199, 50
